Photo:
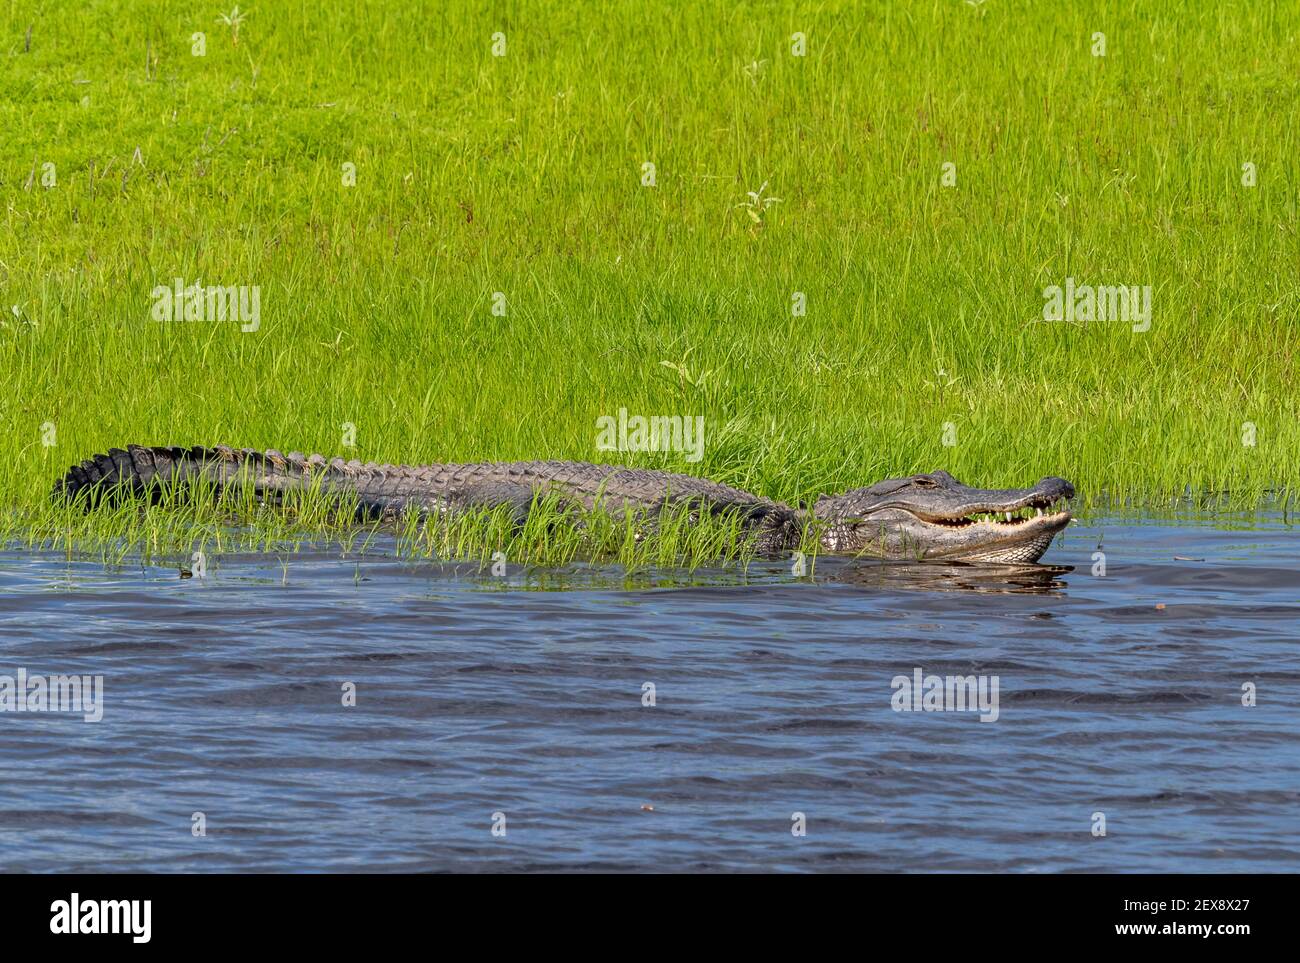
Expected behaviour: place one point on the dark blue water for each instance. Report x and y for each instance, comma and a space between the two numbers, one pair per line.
523, 696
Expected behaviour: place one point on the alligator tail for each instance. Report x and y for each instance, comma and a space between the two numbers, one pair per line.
150, 472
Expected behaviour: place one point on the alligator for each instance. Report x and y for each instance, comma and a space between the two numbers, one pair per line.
919, 517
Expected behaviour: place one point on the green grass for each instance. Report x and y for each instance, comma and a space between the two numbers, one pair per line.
522, 174
202, 519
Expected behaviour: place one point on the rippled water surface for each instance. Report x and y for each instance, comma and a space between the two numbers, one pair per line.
523, 696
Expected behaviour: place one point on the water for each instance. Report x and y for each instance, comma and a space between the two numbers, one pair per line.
523, 696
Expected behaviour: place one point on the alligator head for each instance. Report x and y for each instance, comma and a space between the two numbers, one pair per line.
935, 516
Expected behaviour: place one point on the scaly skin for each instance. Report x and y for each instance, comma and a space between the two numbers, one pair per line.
920, 517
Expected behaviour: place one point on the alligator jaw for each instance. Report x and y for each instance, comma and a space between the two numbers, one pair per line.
937, 517
1020, 535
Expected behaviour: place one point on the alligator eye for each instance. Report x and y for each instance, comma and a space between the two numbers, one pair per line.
925, 481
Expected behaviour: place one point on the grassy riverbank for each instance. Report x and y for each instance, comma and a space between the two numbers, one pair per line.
523, 174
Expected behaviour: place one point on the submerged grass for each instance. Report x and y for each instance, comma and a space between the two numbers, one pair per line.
203, 520
923, 343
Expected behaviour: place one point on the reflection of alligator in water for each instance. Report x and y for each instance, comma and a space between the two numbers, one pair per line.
920, 517
1013, 579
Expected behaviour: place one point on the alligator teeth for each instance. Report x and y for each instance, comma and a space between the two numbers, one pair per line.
1018, 516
